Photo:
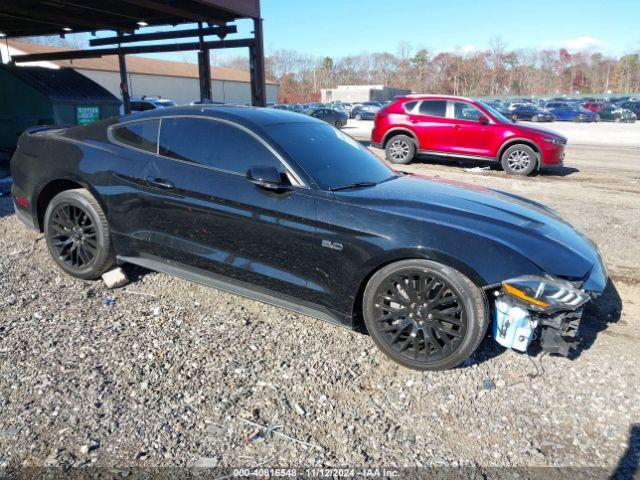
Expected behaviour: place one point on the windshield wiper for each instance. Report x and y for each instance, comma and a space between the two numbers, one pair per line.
354, 185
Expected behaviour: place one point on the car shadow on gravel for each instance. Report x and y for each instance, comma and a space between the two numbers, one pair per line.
628, 464
558, 172
6, 205
598, 315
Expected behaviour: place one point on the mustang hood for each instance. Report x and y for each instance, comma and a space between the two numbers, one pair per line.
532, 230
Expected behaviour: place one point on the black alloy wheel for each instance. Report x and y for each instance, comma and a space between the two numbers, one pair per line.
78, 234
74, 235
424, 315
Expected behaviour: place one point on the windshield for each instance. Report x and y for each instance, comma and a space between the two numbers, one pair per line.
332, 158
496, 114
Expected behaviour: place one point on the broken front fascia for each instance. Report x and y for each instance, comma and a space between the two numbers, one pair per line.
553, 307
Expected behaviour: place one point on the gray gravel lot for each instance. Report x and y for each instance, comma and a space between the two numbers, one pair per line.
168, 374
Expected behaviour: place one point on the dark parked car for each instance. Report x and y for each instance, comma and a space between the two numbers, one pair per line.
288, 210
530, 112
337, 118
634, 106
614, 113
573, 113
500, 107
361, 112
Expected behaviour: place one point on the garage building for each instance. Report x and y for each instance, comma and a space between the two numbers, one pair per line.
361, 93
177, 81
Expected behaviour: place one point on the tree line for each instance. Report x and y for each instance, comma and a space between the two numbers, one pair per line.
496, 71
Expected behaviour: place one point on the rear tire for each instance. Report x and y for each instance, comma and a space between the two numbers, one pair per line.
519, 160
78, 235
400, 149
424, 315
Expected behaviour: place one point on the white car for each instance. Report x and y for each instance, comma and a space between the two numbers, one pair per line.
144, 103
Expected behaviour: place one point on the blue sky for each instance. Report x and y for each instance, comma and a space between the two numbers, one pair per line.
343, 27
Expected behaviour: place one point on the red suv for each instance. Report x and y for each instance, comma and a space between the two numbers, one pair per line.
458, 127
594, 107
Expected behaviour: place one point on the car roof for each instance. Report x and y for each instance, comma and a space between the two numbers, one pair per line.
253, 117
435, 97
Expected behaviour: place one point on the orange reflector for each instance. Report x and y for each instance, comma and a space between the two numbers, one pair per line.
523, 296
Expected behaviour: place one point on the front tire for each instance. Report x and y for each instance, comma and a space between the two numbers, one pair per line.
519, 160
78, 235
400, 150
424, 315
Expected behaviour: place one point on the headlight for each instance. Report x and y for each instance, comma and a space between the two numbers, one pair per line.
555, 141
545, 294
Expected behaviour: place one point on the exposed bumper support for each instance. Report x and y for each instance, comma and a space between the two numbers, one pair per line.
559, 332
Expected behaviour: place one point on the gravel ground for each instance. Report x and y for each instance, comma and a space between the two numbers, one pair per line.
168, 373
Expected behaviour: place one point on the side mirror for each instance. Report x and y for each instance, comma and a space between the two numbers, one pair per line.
483, 120
268, 178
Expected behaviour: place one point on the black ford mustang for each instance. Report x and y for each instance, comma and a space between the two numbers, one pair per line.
286, 209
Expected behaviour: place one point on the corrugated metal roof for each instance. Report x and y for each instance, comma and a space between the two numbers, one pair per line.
26, 18
60, 84
139, 65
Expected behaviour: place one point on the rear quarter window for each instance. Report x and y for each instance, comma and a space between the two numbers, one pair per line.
142, 135
409, 106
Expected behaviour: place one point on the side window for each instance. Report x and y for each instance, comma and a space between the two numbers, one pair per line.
409, 106
142, 135
465, 111
214, 144
147, 106
434, 108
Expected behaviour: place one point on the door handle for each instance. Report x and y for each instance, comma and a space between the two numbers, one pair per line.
162, 183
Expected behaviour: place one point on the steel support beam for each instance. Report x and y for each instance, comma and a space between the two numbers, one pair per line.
146, 37
102, 52
204, 69
256, 67
124, 82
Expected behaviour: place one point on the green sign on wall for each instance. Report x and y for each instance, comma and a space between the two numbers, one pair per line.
86, 115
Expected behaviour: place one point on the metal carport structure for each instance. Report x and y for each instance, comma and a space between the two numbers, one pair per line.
26, 18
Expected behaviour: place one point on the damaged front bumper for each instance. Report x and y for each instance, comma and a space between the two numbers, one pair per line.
516, 327
552, 316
